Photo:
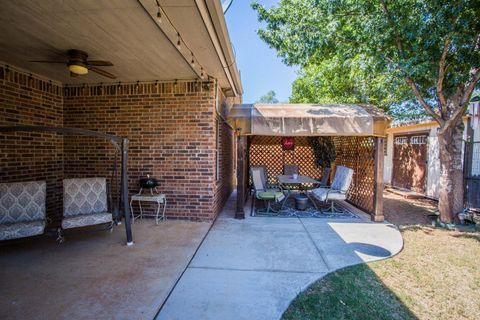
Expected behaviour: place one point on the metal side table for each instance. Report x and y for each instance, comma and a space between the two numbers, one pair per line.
158, 198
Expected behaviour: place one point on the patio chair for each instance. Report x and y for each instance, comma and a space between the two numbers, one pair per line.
261, 192
84, 204
325, 176
337, 191
264, 174
290, 169
22, 209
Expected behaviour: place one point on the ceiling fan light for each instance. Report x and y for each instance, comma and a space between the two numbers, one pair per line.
77, 69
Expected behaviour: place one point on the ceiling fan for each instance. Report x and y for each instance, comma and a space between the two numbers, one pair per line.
78, 65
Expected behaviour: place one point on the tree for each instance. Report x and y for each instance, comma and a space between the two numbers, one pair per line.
430, 47
269, 97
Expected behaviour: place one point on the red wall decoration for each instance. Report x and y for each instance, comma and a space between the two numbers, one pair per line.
288, 143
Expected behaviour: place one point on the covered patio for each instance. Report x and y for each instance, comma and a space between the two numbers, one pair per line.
154, 76
357, 132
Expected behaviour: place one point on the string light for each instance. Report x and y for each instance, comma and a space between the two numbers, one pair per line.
162, 16
193, 60
179, 40
159, 12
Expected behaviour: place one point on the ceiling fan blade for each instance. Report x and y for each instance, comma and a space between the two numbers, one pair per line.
48, 61
73, 74
100, 63
103, 73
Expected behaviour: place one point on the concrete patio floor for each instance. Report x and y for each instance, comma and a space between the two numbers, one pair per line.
253, 268
94, 275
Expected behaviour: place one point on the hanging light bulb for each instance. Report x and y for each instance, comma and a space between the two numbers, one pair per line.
179, 40
202, 74
159, 15
193, 60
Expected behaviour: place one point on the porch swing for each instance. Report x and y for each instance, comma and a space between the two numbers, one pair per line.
84, 199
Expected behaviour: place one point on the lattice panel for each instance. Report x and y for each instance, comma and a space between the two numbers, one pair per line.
267, 150
354, 152
358, 153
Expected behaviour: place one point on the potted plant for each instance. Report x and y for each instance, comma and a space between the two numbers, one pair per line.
324, 151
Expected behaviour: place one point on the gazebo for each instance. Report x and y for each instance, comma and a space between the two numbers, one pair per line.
358, 132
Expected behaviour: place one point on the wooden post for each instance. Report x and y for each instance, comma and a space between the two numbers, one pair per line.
241, 178
377, 214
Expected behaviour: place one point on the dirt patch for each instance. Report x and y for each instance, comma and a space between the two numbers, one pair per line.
401, 211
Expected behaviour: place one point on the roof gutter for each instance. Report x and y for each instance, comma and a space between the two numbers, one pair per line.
226, 59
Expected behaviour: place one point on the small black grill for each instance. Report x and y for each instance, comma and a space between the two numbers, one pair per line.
148, 183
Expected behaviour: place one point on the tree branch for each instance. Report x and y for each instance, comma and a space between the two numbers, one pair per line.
441, 77
464, 102
475, 74
422, 101
398, 40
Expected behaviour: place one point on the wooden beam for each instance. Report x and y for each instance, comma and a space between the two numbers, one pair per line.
241, 176
377, 214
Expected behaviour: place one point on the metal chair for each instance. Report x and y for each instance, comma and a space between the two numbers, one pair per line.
337, 191
325, 176
261, 192
266, 183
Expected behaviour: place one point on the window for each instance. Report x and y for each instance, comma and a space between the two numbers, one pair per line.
418, 140
401, 140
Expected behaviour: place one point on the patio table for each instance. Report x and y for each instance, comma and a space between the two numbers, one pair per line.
300, 181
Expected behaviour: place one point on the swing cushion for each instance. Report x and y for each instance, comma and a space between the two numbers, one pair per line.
85, 202
21, 229
22, 209
86, 220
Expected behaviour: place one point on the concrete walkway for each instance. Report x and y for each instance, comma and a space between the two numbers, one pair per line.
253, 268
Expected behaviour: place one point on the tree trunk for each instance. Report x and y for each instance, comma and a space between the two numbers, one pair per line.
450, 200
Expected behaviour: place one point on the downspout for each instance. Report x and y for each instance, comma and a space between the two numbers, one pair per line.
217, 111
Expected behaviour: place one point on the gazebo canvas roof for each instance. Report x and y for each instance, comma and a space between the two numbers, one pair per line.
309, 119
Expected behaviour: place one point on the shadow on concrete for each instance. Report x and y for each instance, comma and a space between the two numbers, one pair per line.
369, 249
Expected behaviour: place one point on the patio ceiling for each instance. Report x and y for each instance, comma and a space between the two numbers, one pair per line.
123, 32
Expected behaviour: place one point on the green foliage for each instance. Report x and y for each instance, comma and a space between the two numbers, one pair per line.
348, 49
338, 80
269, 97
324, 151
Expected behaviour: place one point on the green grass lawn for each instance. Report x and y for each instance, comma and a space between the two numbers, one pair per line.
436, 276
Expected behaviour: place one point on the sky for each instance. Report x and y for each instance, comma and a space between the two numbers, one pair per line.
261, 70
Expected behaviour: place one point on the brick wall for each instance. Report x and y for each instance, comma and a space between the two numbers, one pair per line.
174, 132
171, 129
25, 100
225, 152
